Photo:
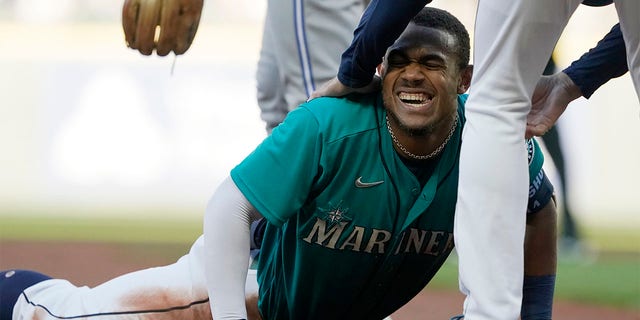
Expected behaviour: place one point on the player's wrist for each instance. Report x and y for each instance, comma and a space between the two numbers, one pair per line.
572, 91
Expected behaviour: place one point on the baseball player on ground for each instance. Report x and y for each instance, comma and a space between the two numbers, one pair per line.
513, 41
358, 194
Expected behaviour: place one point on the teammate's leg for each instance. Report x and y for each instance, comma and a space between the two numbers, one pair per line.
269, 79
514, 39
301, 47
540, 262
323, 30
629, 15
311, 35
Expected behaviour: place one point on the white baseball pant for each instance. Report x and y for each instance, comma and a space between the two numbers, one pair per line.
513, 41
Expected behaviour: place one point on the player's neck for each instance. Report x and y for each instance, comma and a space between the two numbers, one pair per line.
422, 147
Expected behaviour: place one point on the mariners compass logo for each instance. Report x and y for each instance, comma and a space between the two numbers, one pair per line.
334, 214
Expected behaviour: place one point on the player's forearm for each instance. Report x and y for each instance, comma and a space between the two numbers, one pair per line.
600, 64
226, 233
540, 254
381, 23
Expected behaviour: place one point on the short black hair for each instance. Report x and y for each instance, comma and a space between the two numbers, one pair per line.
430, 17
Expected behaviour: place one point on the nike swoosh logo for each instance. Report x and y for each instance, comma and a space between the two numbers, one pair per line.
360, 184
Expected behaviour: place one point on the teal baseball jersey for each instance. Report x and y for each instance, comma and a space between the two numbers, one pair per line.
352, 233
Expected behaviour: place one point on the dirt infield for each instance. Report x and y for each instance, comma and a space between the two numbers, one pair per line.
92, 263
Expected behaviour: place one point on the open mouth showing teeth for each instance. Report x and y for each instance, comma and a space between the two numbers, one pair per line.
417, 99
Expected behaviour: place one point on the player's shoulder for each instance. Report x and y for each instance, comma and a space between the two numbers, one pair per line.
345, 115
347, 105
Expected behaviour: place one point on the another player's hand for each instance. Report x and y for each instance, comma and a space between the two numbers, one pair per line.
550, 98
335, 88
177, 21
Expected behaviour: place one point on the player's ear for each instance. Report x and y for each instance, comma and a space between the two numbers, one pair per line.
381, 68
465, 79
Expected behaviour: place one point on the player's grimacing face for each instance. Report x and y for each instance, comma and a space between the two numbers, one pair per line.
421, 79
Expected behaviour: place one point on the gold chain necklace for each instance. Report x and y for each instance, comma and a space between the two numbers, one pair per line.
430, 155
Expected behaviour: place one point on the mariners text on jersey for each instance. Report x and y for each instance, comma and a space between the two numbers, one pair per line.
378, 241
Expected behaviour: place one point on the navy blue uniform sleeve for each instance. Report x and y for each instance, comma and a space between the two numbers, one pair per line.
600, 64
381, 24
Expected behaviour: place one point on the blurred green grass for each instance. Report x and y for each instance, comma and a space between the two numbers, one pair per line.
137, 228
608, 279
606, 273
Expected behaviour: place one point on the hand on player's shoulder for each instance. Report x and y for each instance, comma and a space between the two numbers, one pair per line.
335, 88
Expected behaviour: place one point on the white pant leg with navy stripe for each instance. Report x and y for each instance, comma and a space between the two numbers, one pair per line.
175, 291
513, 42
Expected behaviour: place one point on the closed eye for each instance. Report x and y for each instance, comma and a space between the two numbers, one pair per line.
397, 60
433, 62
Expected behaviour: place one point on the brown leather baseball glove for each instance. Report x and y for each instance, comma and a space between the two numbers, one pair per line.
163, 25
